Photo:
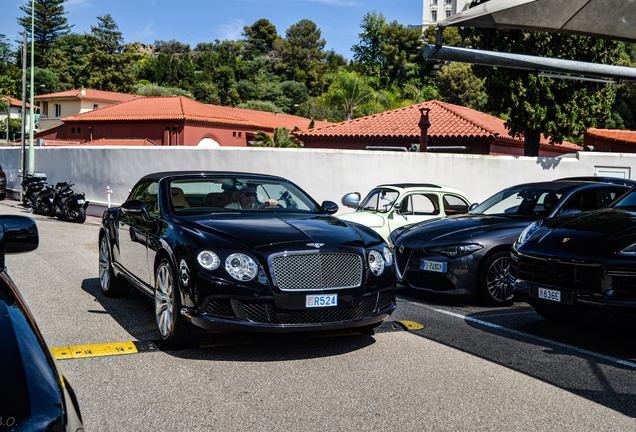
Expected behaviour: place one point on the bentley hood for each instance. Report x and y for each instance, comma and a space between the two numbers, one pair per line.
257, 231
461, 228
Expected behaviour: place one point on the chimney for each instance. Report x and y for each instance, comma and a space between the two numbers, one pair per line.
424, 124
83, 91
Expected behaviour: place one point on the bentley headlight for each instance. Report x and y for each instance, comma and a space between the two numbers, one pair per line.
455, 251
629, 251
208, 260
527, 233
241, 267
388, 256
376, 262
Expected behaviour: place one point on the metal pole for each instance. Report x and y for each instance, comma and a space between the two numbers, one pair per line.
23, 124
31, 150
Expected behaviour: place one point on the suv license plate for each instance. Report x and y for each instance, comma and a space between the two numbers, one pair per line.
434, 266
548, 294
321, 300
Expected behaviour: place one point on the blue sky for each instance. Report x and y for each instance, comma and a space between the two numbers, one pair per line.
205, 21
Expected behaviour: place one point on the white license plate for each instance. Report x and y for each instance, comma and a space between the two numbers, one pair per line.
321, 300
433, 266
81, 201
548, 294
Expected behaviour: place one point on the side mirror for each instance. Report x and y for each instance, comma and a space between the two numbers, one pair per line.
329, 207
473, 206
352, 199
17, 234
397, 206
135, 208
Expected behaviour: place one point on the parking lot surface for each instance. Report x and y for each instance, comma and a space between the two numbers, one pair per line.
446, 366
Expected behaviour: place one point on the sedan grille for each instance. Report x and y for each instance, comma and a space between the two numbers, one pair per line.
315, 271
402, 256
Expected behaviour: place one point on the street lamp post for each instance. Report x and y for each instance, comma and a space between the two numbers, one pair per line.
31, 150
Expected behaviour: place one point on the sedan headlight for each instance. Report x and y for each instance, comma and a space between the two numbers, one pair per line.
455, 251
629, 251
241, 267
388, 256
208, 260
527, 233
376, 262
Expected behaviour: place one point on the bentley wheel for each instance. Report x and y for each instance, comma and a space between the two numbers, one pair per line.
112, 286
172, 326
494, 286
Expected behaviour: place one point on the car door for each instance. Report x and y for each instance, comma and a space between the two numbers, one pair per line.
585, 200
133, 233
414, 208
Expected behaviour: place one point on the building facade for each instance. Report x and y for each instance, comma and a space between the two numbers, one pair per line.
437, 10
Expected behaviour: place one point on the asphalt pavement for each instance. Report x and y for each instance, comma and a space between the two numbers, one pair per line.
436, 365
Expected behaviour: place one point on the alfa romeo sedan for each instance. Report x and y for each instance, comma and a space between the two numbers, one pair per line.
35, 395
391, 206
580, 265
224, 252
469, 255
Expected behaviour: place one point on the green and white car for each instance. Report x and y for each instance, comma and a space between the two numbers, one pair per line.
388, 207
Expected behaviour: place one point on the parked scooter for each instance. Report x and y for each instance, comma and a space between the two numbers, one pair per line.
68, 204
37, 194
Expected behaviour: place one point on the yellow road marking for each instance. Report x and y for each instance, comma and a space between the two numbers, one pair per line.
411, 325
94, 350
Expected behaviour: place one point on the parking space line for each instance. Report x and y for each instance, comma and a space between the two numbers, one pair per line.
527, 335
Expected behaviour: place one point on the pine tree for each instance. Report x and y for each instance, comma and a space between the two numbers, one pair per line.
49, 25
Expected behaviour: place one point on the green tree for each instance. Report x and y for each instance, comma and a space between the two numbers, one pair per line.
185, 71
206, 92
44, 81
539, 105
401, 51
155, 90
6, 54
282, 137
49, 25
260, 37
109, 66
368, 53
302, 46
348, 91
259, 105
458, 85
66, 58
418, 93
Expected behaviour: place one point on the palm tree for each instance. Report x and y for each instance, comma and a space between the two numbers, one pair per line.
281, 138
348, 90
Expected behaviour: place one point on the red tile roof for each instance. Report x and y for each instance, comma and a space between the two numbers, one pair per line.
14, 101
89, 94
160, 108
273, 120
446, 120
613, 135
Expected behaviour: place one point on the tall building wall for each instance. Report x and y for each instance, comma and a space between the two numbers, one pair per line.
437, 10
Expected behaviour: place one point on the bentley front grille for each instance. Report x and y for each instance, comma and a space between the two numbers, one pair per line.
316, 271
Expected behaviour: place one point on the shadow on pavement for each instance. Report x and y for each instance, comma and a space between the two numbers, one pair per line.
135, 314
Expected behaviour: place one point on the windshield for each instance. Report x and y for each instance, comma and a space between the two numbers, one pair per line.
379, 200
210, 195
524, 203
628, 202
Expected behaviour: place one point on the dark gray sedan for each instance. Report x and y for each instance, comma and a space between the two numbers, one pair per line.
469, 255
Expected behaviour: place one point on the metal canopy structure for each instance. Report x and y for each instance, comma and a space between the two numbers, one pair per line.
607, 19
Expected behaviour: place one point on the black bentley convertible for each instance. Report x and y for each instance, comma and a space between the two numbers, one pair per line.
580, 265
242, 252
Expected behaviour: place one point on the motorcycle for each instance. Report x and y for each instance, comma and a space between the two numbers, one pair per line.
68, 204
37, 194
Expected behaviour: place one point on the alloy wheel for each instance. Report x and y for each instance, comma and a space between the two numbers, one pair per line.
497, 282
104, 265
164, 306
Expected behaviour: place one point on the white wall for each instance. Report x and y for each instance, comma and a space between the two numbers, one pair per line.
325, 174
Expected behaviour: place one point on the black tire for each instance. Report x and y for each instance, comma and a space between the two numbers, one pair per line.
172, 326
80, 215
493, 285
3, 196
112, 286
550, 314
